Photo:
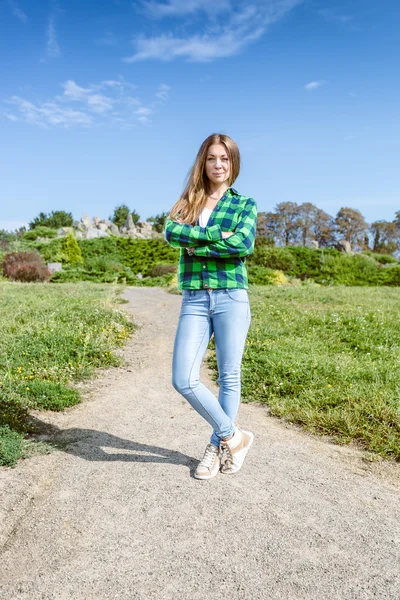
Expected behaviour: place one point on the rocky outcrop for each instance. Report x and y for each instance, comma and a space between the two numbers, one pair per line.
89, 229
343, 246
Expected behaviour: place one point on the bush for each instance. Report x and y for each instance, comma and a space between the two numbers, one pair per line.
263, 275
349, 269
10, 446
383, 259
14, 409
71, 251
40, 231
25, 266
273, 258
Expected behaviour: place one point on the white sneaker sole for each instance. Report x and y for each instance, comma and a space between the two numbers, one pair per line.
211, 475
235, 468
203, 477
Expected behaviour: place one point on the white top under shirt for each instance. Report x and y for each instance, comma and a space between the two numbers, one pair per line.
204, 216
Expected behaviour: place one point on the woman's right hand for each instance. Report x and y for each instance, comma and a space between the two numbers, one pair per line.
226, 234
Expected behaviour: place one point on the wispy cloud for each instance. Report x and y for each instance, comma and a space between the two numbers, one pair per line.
108, 103
17, 11
53, 49
217, 38
313, 85
331, 15
163, 90
178, 8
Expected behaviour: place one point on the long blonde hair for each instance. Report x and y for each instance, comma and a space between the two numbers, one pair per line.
197, 188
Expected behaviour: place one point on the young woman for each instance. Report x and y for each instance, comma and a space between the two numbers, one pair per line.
215, 227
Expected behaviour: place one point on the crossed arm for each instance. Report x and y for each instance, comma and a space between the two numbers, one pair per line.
211, 241
179, 235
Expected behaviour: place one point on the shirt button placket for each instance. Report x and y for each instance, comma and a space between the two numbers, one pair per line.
205, 276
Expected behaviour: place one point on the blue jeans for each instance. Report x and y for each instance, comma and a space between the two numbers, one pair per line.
226, 314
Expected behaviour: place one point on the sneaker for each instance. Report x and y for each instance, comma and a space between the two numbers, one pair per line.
235, 450
210, 463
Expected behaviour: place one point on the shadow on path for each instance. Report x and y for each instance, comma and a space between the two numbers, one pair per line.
93, 445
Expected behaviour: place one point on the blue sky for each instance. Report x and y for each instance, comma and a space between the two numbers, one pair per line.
107, 102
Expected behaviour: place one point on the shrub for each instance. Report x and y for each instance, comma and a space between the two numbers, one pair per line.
10, 446
40, 231
273, 258
349, 269
383, 259
162, 269
14, 409
262, 275
70, 250
25, 266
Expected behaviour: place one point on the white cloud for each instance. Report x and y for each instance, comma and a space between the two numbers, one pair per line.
331, 15
99, 103
163, 90
219, 38
143, 111
74, 91
177, 8
53, 49
10, 117
49, 113
313, 85
86, 107
197, 48
17, 11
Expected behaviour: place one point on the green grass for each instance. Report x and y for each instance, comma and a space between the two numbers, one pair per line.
328, 359
53, 336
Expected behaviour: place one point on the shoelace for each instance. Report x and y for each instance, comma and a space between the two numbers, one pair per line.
209, 456
227, 457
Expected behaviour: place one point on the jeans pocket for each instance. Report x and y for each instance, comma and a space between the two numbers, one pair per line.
238, 294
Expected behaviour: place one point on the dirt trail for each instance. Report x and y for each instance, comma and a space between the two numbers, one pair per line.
116, 512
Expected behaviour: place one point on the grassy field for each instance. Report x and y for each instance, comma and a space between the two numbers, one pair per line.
328, 359
51, 336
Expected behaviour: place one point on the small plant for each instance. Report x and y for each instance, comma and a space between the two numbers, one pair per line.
25, 266
10, 446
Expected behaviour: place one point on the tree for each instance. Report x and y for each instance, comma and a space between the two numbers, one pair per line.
386, 236
158, 221
267, 227
287, 222
323, 228
121, 213
306, 220
135, 217
352, 225
55, 219
71, 251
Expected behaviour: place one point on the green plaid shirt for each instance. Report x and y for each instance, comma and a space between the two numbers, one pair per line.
215, 262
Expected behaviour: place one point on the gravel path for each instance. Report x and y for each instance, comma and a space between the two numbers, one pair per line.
116, 512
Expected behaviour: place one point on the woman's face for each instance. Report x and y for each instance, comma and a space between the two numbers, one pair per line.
218, 167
